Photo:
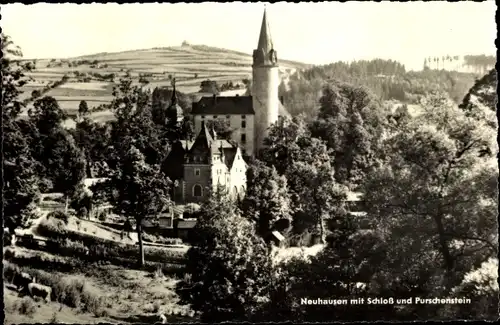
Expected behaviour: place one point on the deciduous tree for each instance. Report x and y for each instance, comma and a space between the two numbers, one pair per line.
228, 266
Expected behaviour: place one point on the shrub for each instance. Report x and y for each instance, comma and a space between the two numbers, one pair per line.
156, 306
94, 304
27, 307
102, 217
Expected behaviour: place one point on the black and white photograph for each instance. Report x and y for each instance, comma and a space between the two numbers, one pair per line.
249, 162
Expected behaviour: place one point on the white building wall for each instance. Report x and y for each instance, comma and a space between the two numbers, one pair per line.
238, 174
265, 100
235, 123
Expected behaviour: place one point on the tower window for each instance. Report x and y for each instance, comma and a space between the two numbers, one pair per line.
228, 116
197, 172
243, 124
243, 138
203, 117
243, 116
197, 190
215, 116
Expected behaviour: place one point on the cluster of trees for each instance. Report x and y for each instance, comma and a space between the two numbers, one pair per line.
35, 94
429, 191
386, 81
229, 86
477, 63
209, 86
39, 155
480, 63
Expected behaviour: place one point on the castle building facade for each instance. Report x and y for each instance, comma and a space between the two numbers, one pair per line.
248, 116
201, 165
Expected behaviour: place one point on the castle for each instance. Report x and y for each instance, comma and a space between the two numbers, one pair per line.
201, 164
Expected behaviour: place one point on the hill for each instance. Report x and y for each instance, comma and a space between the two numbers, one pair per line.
91, 77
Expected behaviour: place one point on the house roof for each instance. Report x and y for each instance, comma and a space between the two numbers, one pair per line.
224, 105
278, 235
186, 223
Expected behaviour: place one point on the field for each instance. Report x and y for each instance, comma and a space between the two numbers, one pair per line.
189, 64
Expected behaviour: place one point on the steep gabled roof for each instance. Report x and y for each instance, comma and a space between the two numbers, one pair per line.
227, 105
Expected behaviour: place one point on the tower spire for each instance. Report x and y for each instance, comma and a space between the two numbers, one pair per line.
265, 40
174, 95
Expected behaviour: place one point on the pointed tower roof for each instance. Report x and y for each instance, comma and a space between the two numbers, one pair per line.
174, 95
265, 40
174, 107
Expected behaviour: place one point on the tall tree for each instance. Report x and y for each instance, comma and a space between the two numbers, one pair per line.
13, 77
436, 190
229, 265
83, 109
350, 121
20, 181
134, 124
136, 189
47, 115
267, 199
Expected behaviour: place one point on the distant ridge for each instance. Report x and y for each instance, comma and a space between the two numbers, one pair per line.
197, 47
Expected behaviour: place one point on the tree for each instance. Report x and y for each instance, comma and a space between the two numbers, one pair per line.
305, 162
93, 139
229, 265
136, 189
480, 100
209, 86
20, 189
134, 125
64, 162
83, 109
350, 121
318, 196
20, 181
13, 77
47, 115
267, 199
436, 194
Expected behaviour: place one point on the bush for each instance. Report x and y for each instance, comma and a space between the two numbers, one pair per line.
27, 307
102, 217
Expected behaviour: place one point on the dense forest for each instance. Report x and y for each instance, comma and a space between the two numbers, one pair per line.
386, 79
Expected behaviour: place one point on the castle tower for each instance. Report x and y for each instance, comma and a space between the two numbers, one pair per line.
266, 80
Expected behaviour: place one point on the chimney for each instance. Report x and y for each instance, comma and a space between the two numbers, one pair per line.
281, 100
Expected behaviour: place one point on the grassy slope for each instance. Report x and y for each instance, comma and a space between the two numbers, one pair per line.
189, 64
131, 296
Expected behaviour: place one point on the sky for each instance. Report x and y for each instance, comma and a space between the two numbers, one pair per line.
315, 33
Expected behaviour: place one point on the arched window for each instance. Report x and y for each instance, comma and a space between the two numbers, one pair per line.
242, 192
197, 190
